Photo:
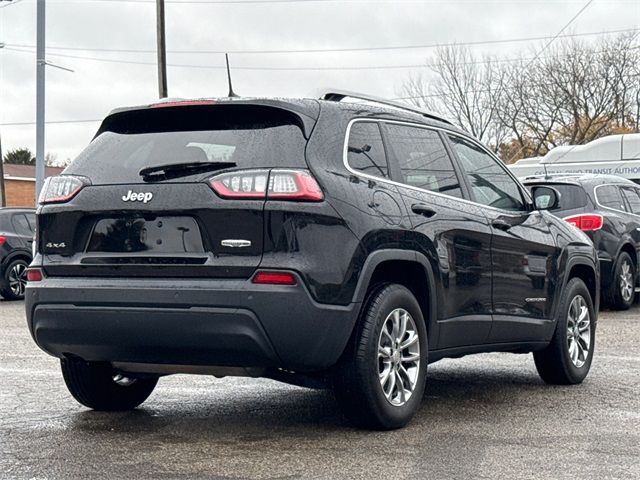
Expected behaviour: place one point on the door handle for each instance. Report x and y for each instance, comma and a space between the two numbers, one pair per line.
423, 210
501, 224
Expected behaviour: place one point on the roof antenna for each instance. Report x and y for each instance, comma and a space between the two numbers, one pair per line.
231, 92
546, 174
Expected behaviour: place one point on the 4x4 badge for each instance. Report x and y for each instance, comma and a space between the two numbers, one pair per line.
143, 197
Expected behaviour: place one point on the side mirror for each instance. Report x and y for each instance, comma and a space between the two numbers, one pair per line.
545, 198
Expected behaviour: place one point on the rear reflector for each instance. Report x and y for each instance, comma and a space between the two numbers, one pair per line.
274, 278
34, 275
587, 223
277, 184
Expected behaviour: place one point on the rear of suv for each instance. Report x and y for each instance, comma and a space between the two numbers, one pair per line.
607, 209
316, 242
17, 227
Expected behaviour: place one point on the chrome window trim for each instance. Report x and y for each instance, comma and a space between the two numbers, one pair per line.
345, 151
595, 194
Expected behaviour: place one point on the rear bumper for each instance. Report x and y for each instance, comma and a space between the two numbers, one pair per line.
187, 322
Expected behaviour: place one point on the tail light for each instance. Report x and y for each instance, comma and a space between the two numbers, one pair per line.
587, 223
61, 189
277, 184
2, 240
274, 278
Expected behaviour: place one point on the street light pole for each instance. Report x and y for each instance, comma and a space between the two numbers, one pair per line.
40, 72
162, 50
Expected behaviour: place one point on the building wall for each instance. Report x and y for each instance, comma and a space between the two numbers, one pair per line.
20, 193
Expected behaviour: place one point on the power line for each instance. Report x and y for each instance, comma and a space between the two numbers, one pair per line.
322, 68
338, 50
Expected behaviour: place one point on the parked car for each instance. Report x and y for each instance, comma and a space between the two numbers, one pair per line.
316, 242
16, 238
607, 209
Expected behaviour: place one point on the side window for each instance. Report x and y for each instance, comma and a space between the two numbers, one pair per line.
632, 195
490, 183
422, 159
609, 196
21, 225
32, 221
366, 151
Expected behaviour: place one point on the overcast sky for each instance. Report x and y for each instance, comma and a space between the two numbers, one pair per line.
89, 27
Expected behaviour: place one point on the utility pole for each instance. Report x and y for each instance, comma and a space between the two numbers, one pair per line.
3, 197
162, 50
40, 71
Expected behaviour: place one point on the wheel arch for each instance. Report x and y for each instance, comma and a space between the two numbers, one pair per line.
585, 270
16, 254
408, 268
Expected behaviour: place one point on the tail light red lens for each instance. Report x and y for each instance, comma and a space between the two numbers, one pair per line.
2, 240
61, 189
277, 184
587, 222
34, 275
274, 278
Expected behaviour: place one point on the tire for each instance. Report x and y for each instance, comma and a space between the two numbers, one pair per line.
14, 279
93, 385
621, 292
556, 363
358, 387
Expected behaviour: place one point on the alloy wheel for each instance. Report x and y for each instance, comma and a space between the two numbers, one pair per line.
18, 279
398, 357
626, 282
579, 331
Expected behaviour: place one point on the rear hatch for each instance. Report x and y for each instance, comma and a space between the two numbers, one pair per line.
139, 200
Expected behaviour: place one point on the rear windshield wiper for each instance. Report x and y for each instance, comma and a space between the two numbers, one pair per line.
174, 170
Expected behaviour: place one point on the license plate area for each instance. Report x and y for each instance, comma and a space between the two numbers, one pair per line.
146, 235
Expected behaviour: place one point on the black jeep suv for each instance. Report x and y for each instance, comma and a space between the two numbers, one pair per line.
607, 209
316, 242
16, 237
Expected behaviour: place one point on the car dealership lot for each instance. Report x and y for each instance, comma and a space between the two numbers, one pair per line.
483, 416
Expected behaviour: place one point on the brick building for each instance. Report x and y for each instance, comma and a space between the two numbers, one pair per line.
20, 183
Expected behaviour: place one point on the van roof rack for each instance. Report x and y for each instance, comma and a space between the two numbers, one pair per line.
339, 95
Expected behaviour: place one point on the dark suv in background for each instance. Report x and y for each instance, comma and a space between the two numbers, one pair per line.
316, 242
17, 227
607, 209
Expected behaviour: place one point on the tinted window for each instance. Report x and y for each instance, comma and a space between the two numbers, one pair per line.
21, 225
366, 151
609, 196
632, 195
489, 181
249, 137
571, 196
32, 221
423, 160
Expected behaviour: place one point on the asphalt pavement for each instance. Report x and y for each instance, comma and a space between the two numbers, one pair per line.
484, 416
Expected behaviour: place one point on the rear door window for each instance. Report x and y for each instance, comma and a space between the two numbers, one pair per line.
365, 151
632, 196
423, 159
21, 225
609, 196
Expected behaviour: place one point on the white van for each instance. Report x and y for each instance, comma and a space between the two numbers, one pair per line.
613, 155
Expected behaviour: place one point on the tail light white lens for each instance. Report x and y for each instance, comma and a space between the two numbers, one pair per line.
277, 184
61, 189
587, 222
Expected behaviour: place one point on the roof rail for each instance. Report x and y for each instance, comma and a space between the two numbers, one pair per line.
339, 95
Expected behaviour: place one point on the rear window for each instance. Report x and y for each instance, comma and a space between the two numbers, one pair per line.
571, 197
249, 136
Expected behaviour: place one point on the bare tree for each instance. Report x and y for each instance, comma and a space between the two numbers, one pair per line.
463, 90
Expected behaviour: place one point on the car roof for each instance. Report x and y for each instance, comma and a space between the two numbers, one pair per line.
309, 107
577, 179
17, 210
